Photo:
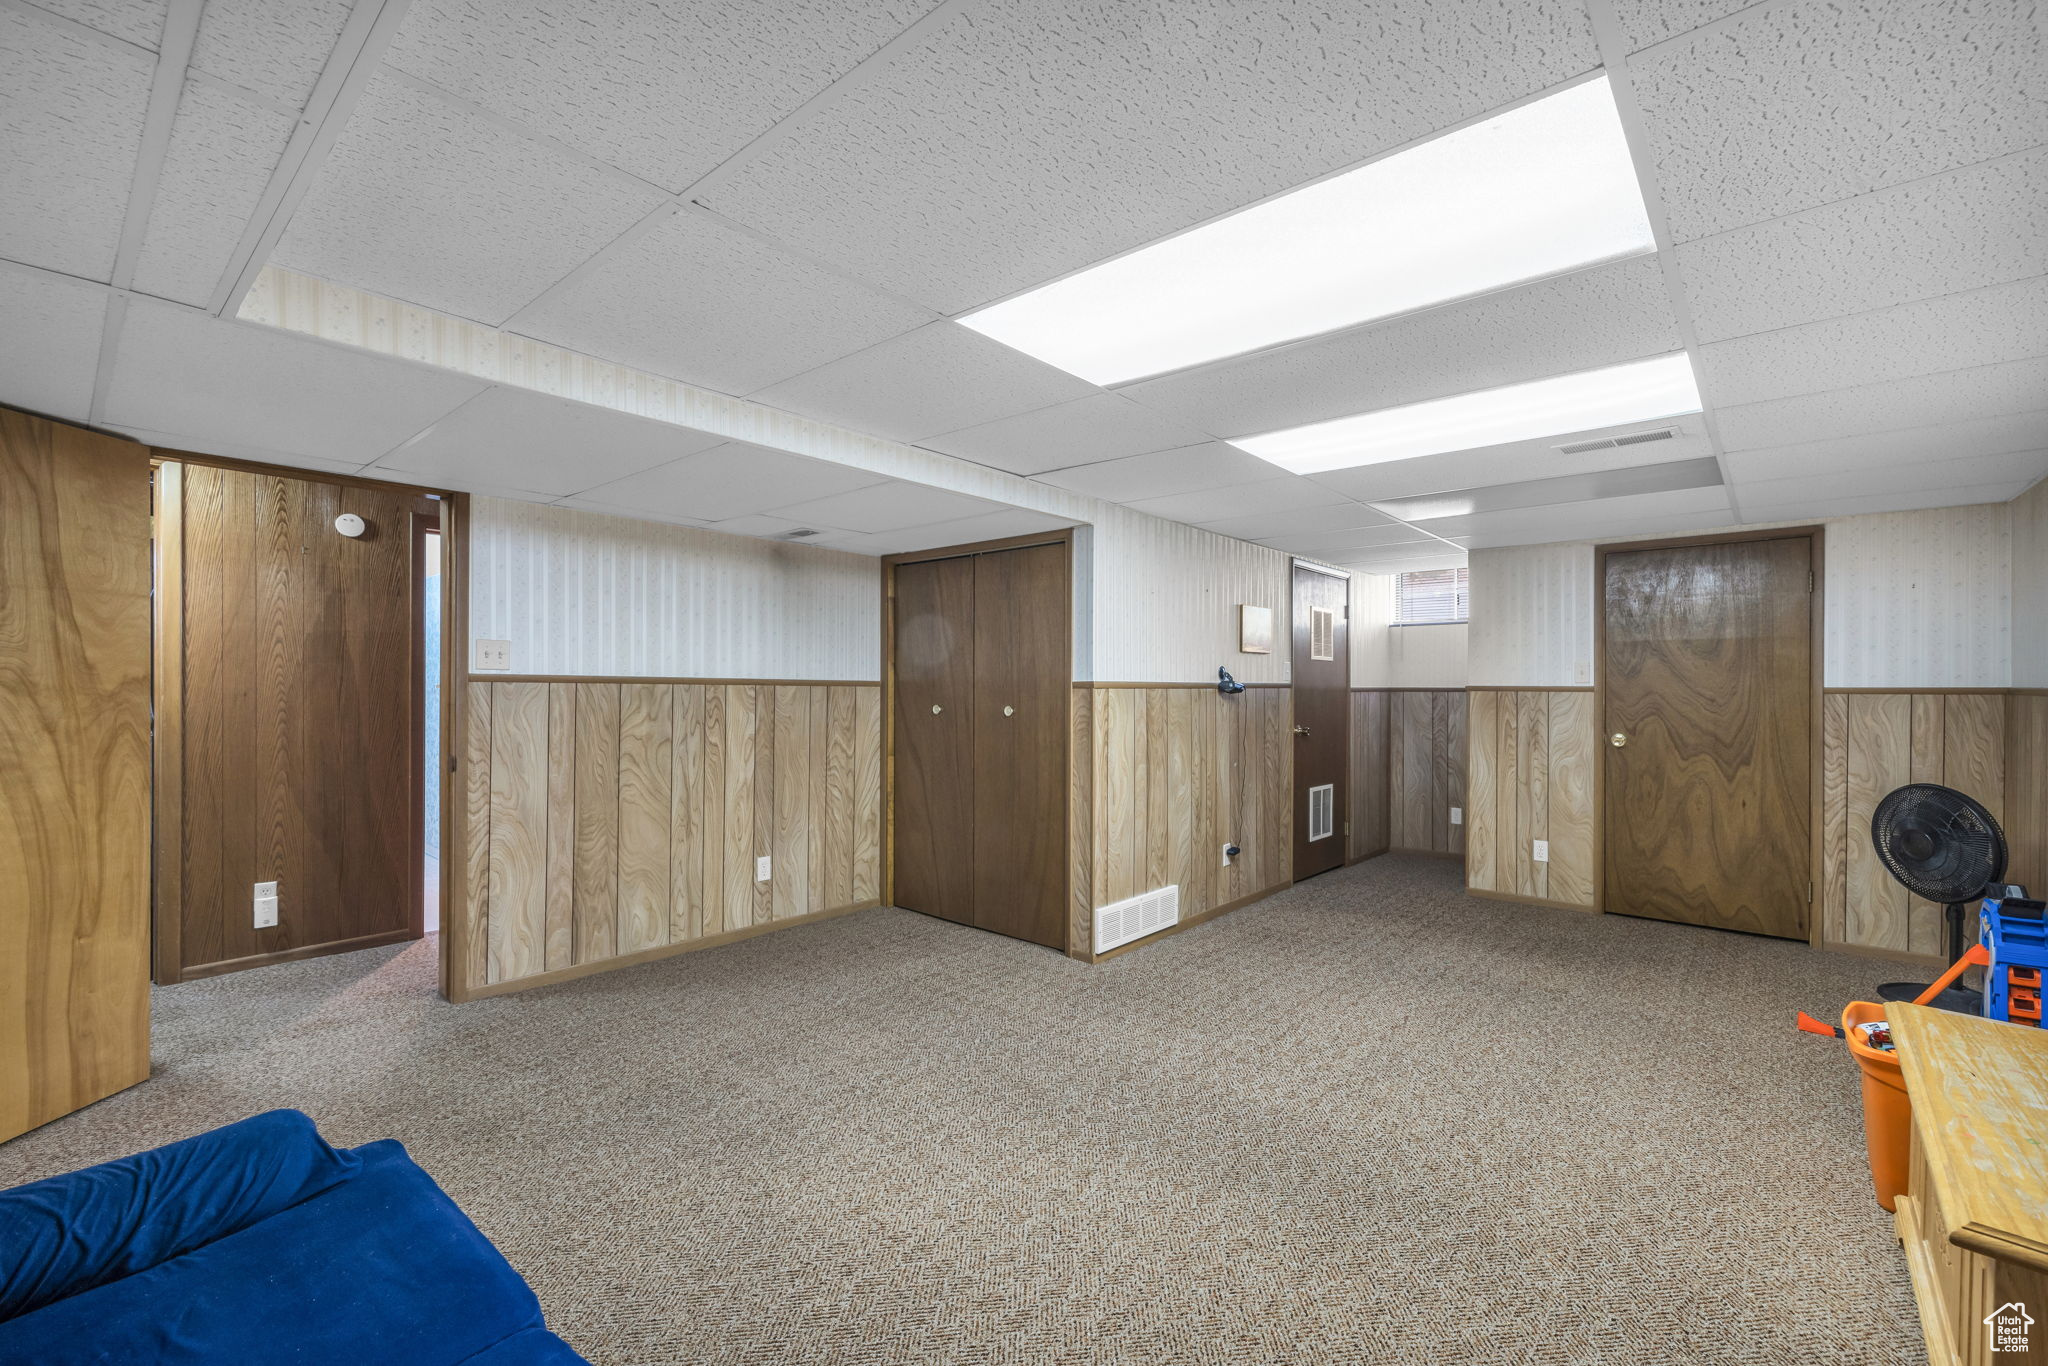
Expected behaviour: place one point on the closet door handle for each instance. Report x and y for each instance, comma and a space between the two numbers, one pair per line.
936, 709
1009, 711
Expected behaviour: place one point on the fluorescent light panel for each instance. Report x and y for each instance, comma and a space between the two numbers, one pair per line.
1544, 188
1635, 392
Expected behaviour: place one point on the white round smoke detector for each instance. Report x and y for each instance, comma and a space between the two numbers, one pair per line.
350, 525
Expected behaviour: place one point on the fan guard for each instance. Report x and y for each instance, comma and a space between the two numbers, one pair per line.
1941, 845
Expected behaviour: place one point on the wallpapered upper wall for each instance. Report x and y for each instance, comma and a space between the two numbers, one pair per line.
1166, 599
587, 594
1913, 600
1386, 656
2030, 588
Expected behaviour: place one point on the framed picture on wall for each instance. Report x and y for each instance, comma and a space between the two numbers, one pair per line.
1254, 630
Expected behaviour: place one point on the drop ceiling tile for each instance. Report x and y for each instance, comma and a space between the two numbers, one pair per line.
765, 526
221, 156
1358, 541
1934, 452
1155, 474
1287, 493
259, 388
1644, 22
556, 446
993, 526
698, 301
1953, 396
1330, 519
1402, 559
893, 506
664, 97
1099, 427
1517, 461
70, 128
1641, 514
1955, 332
431, 204
50, 346
275, 50
939, 378
137, 21
1021, 141
1600, 316
1792, 500
1554, 490
735, 479
1794, 105
1982, 225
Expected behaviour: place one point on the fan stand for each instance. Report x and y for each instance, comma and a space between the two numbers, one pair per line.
1962, 1000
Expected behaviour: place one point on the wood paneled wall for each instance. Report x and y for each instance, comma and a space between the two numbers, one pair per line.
1172, 774
1531, 778
2026, 788
1408, 769
286, 688
622, 820
1370, 778
1872, 743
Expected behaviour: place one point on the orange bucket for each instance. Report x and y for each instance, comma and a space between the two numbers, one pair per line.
1887, 1111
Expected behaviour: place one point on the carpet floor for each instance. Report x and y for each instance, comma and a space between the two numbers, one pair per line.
1368, 1120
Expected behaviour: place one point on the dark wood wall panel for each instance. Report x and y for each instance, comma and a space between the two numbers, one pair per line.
297, 760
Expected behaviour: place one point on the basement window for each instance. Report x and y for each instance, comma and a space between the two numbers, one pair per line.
1432, 597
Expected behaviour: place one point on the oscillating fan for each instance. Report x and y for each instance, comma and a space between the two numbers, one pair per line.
1943, 846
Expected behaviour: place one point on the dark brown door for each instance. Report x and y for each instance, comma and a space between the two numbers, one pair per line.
1021, 699
298, 758
1709, 659
74, 769
1322, 716
934, 738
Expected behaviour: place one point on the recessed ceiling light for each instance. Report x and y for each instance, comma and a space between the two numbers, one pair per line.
1635, 392
1544, 188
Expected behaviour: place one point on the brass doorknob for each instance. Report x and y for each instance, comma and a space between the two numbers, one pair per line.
1617, 739
1301, 730
1009, 711
936, 709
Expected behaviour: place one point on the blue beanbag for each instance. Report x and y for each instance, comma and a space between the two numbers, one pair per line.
71, 1233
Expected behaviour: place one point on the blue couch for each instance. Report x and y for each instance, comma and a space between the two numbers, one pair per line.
255, 1243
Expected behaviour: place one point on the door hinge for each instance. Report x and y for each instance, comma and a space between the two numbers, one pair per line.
1809, 891
1811, 584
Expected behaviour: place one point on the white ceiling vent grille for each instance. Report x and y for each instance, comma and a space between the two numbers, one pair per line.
1608, 443
1136, 917
1322, 812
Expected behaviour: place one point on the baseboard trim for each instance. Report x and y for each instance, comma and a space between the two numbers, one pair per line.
1919, 960
1458, 854
653, 955
1199, 918
1545, 902
264, 960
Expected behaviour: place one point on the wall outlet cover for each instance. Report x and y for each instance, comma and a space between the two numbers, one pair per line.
1542, 854
266, 905
761, 867
1457, 815
494, 654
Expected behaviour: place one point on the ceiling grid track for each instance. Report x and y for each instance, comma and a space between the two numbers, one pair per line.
1614, 56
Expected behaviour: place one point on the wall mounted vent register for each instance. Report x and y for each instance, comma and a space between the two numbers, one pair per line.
1322, 633
1135, 917
1608, 443
1322, 811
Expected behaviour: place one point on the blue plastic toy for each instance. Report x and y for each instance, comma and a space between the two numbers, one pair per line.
2016, 935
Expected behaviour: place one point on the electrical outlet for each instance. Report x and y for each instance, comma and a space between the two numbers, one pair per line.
266, 905
1542, 854
761, 865
1228, 850
1457, 815
494, 654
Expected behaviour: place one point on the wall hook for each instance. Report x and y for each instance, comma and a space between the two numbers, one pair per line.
1225, 684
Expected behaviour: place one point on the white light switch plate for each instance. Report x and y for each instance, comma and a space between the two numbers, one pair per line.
1457, 815
1542, 851
761, 866
494, 654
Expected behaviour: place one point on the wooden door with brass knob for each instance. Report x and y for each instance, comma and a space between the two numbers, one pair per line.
933, 730
1708, 677
1321, 671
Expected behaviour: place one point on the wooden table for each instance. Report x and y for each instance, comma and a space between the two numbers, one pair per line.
1975, 1219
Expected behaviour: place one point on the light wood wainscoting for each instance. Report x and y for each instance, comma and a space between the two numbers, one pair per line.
1872, 742
1531, 778
1408, 769
1163, 778
612, 822
2026, 787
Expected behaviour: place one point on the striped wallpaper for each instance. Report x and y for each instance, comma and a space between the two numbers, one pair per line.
2030, 587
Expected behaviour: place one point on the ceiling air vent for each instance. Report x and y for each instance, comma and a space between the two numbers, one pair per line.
800, 534
1608, 443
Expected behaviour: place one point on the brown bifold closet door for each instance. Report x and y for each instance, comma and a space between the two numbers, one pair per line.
74, 768
934, 738
1321, 669
1021, 696
1709, 678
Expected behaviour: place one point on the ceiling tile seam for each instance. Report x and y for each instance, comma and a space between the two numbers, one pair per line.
1607, 33
166, 87
1711, 27
860, 74
1346, 169
1804, 394
428, 430
194, 76
1360, 504
823, 263
2040, 412
85, 32
2013, 155
358, 51
112, 317
1883, 308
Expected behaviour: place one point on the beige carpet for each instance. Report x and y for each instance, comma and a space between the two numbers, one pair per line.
1371, 1120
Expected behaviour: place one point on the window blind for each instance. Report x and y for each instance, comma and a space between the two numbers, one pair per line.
1431, 597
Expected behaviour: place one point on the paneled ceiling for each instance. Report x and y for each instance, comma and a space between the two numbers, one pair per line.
1850, 205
